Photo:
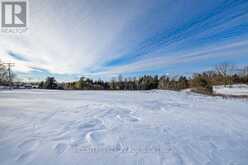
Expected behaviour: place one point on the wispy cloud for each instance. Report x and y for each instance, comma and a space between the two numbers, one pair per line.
96, 38
17, 56
237, 50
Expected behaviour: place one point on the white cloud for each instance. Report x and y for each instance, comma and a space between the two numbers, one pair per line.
234, 49
78, 37
69, 37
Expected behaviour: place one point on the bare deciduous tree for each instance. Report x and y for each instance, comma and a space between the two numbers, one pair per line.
225, 70
245, 71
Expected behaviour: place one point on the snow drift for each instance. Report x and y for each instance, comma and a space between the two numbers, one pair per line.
40, 127
235, 90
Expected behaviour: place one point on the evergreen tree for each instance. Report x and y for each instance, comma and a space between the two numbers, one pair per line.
50, 83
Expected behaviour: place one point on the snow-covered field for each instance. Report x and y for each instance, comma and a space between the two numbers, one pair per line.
235, 90
40, 127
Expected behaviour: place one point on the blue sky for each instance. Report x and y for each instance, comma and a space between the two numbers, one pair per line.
104, 38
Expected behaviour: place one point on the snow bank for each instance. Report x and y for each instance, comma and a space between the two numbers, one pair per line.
235, 90
40, 127
3, 87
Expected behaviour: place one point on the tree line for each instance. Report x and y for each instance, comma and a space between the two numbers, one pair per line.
4, 77
223, 74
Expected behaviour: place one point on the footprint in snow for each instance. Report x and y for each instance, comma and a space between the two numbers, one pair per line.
60, 148
96, 137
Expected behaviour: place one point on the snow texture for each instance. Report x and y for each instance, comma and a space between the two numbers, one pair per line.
40, 127
235, 90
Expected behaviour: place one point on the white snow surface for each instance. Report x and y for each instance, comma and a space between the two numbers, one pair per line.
235, 90
3, 87
40, 127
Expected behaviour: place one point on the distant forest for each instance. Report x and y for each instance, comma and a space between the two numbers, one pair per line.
223, 74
